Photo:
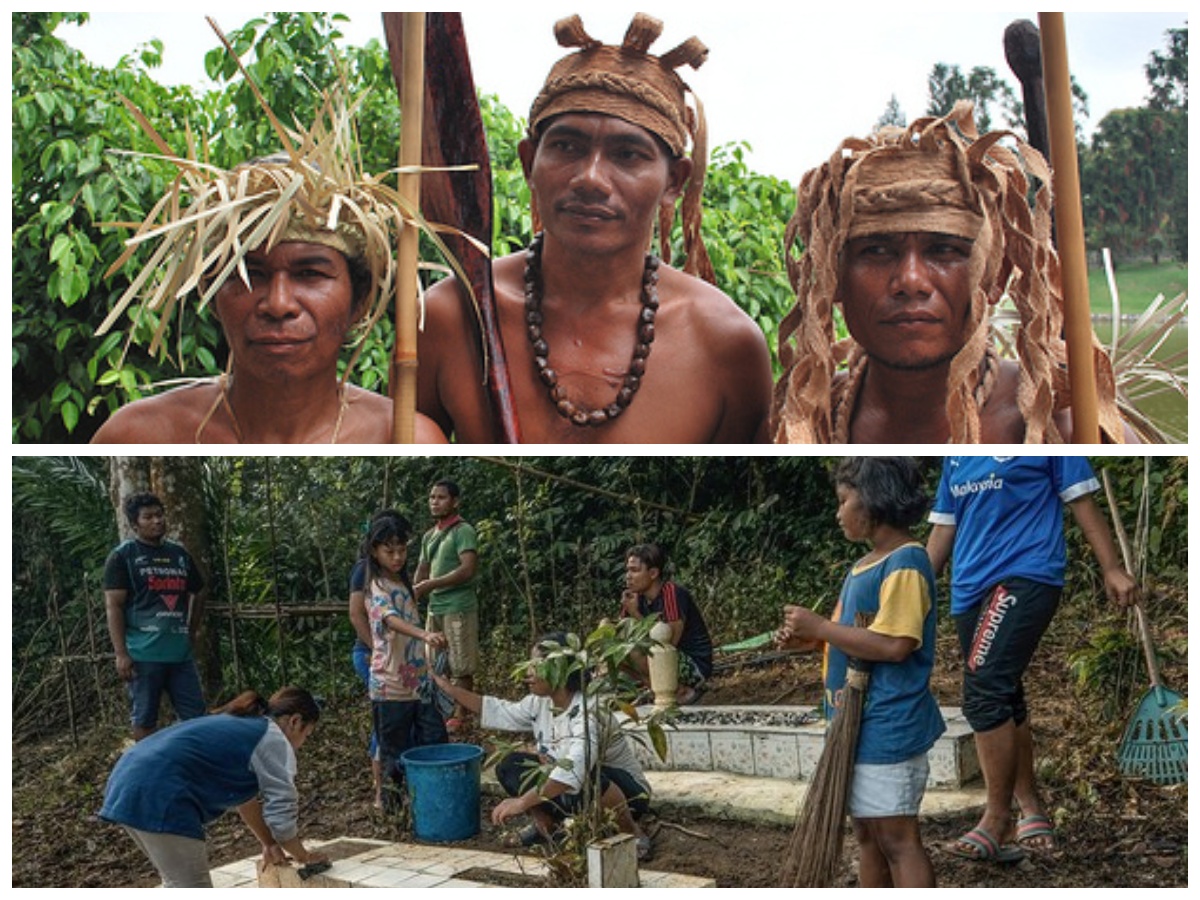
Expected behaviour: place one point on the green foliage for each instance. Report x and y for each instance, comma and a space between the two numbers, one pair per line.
66, 185
893, 115
1106, 670
1134, 173
1167, 72
1135, 165
745, 216
746, 535
597, 660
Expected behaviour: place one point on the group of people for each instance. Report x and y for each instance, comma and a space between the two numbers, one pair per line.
915, 234
999, 519
393, 655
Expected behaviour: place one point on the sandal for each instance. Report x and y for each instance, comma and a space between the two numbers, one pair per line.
978, 845
1037, 833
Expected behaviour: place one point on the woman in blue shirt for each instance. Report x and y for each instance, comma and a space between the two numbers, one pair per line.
165, 789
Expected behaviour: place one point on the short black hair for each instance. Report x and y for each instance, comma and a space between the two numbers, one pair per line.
890, 487
135, 503
652, 556
451, 487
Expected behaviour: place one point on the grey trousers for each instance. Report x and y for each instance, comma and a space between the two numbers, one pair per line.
181, 861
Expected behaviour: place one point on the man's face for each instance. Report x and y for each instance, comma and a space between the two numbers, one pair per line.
441, 503
638, 576
598, 181
907, 297
151, 524
291, 322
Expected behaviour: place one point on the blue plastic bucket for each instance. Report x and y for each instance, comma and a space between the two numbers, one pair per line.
443, 788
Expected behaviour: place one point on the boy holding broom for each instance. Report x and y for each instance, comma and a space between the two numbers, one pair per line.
879, 500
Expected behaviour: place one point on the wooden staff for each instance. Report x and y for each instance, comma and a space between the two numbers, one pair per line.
412, 105
1072, 252
454, 136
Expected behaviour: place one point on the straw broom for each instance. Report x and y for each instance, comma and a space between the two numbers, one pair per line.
814, 854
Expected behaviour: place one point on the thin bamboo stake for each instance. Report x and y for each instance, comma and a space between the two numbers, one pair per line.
1072, 251
56, 615
412, 107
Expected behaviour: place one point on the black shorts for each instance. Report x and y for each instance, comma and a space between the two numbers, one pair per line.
998, 639
513, 773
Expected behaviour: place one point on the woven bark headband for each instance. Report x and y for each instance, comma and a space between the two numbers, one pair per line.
939, 175
625, 81
632, 84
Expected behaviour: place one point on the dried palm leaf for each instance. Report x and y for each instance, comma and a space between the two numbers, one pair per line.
314, 191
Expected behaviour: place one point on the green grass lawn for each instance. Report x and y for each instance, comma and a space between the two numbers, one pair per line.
1137, 284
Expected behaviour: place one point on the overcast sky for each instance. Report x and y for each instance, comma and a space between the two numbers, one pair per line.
791, 83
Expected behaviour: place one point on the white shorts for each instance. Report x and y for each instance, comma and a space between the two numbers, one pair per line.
893, 789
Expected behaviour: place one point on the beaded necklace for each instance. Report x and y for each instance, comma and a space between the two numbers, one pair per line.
573, 412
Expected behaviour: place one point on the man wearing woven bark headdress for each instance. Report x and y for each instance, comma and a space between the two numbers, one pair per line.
294, 251
605, 342
917, 235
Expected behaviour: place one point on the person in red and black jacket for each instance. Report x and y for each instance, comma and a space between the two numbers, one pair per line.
647, 592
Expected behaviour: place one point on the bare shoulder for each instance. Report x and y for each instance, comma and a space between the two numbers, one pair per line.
172, 417
713, 314
368, 417
728, 350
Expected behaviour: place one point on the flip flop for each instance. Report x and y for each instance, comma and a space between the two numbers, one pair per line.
1030, 828
978, 845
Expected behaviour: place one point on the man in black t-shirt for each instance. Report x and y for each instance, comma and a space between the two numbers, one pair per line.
150, 584
646, 592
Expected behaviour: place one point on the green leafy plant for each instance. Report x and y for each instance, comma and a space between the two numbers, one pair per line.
600, 658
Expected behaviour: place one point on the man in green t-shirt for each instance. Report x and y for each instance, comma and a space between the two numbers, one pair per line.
150, 587
446, 576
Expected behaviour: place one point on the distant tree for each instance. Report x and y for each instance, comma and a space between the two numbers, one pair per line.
892, 115
1134, 173
1167, 72
982, 86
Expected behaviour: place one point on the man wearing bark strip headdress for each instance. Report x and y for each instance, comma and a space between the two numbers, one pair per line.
605, 342
295, 251
917, 235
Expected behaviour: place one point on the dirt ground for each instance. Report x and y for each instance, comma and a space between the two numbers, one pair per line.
1114, 833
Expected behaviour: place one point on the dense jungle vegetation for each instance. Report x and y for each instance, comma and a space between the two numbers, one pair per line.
278, 536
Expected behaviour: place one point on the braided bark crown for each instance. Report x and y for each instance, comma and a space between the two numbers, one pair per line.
627, 81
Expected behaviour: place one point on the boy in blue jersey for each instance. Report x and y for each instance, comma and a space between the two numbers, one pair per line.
1001, 518
879, 500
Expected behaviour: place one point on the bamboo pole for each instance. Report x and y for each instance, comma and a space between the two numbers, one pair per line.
412, 107
1072, 252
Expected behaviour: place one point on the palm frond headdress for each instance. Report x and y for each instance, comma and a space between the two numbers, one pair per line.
314, 190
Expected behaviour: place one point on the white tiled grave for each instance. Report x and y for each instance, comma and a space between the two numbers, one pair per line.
369, 863
789, 751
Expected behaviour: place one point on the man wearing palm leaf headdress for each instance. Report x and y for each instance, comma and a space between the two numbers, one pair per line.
294, 251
